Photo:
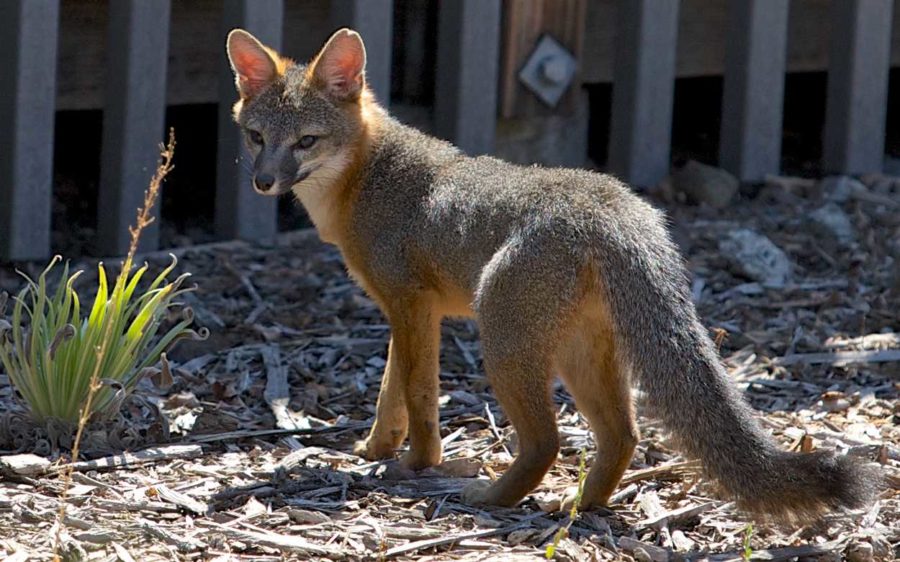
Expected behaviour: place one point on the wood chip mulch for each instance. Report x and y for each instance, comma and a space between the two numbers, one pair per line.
249, 455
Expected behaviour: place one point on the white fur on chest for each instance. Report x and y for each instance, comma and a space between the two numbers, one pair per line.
318, 195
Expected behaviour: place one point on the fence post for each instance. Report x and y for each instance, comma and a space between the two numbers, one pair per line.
857, 86
643, 85
240, 211
28, 38
468, 62
753, 98
374, 20
133, 118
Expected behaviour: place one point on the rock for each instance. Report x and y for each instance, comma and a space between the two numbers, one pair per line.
840, 189
832, 225
705, 184
755, 256
860, 552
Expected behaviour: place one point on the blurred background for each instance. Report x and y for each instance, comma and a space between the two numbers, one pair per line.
757, 88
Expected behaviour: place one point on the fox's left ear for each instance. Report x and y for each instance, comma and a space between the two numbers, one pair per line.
340, 66
255, 65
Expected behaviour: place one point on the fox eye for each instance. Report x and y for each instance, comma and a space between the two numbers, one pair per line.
306, 141
255, 136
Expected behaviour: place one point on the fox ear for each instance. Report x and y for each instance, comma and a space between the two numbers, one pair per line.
255, 65
340, 66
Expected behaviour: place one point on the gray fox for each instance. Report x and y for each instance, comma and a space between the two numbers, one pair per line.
566, 271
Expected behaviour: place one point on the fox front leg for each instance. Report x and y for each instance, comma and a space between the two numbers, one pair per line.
391, 416
408, 400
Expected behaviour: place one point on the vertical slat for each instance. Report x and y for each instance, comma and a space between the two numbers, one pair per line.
374, 20
643, 85
133, 117
753, 98
28, 38
467, 73
240, 211
857, 86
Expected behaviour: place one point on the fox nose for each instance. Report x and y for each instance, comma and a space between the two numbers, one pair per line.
264, 182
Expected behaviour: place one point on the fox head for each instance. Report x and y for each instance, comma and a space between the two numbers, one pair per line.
300, 122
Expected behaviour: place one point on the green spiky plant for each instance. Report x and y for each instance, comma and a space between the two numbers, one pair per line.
67, 366
50, 358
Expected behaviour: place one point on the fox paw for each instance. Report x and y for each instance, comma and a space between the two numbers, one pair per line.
477, 493
571, 494
414, 460
372, 451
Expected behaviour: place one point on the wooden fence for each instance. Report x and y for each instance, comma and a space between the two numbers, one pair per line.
465, 102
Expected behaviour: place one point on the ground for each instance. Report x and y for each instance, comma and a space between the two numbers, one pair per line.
212, 473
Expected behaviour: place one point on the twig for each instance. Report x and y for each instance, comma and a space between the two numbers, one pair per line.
277, 394
866, 341
274, 540
431, 543
244, 433
183, 544
672, 471
674, 516
181, 500
840, 358
776, 554
127, 460
144, 218
494, 430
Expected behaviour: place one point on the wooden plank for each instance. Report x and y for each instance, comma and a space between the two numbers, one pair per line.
703, 38
195, 45
750, 145
643, 86
373, 19
856, 108
240, 211
524, 23
28, 39
133, 118
467, 73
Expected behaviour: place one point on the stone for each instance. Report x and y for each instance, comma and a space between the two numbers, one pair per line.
860, 552
754, 256
840, 189
832, 226
705, 184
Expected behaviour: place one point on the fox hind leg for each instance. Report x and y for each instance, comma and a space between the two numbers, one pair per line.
599, 383
524, 296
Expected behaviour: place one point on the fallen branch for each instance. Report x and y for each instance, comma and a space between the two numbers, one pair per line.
244, 433
776, 554
278, 393
455, 539
671, 471
126, 460
840, 358
675, 516
273, 540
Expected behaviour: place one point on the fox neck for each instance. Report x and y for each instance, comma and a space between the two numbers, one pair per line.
328, 197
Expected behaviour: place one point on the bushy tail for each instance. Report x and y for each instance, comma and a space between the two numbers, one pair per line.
678, 367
